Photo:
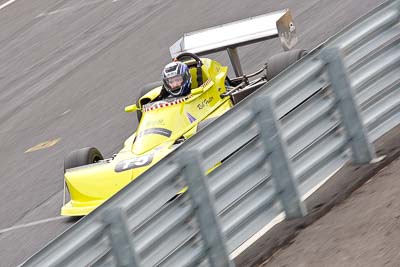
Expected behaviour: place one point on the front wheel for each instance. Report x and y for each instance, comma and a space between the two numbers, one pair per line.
81, 157
279, 62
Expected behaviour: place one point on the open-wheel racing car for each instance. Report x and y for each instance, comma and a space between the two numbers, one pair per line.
166, 123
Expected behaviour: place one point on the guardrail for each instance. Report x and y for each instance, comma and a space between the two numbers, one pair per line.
292, 135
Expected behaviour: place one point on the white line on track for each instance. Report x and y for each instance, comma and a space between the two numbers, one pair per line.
257, 236
71, 8
276, 220
31, 224
65, 112
317, 186
7, 3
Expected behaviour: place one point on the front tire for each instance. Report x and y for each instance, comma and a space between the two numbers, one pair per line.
81, 157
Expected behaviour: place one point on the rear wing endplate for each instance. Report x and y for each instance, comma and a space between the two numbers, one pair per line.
243, 32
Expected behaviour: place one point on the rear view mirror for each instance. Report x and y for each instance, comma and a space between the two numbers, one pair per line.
131, 108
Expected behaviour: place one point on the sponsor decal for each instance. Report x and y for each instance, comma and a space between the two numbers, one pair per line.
190, 117
205, 103
160, 131
159, 122
206, 83
133, 163
292, 28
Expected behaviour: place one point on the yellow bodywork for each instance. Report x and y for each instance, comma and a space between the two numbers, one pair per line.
162, 124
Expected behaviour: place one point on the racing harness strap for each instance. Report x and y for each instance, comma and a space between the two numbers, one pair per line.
199, 74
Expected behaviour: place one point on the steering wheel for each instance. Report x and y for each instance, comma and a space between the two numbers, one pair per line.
190, 55
198, 65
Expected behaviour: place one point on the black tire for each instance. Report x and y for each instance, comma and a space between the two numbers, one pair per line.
81, 157
279, 62
144, 90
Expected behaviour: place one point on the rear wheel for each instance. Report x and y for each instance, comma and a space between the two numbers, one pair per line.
81, 157
145, 89
279, 62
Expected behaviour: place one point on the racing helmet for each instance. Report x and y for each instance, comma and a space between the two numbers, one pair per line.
177, 79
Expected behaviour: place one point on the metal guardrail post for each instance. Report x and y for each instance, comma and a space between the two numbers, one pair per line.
120, 242
362, 149
282, 173
204, 210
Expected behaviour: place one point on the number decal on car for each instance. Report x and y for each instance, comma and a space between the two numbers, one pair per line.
133, 163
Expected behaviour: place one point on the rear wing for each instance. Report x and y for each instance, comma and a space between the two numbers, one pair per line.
242, 32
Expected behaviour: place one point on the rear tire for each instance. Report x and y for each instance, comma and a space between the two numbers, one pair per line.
145, 89
81, 157
279, 62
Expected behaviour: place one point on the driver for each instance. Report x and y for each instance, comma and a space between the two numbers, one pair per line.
176, 79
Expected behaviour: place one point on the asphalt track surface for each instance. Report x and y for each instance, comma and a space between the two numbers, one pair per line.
69, 67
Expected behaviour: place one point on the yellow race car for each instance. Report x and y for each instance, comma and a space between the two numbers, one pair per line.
165, 123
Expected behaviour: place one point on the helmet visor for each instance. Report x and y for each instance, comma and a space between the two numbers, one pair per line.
175, 82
